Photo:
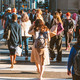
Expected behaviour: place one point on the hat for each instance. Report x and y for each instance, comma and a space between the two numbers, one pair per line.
68, 14
9, 9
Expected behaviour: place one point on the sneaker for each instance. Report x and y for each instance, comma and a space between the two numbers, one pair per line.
67, 49
68, 45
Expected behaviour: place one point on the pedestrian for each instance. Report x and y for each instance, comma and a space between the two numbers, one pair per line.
57, 39
14, 11
68, 30
6, 17
25, 25
40, 54
74, 60
51, 17
15, 38
47, 18
61, 14
75, 20
33, 16
78, 25
29, 12
39, 15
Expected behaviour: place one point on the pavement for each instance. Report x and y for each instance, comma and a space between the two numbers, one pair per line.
25, 70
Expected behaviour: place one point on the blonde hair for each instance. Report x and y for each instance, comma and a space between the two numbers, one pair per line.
57, 16
24, 17
39, 11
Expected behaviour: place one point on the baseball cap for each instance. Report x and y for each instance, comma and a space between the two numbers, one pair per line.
68, 14
9, 8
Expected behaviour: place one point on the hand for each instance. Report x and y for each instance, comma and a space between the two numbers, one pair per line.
69, 73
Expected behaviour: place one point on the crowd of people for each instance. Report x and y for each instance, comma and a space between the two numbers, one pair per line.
37, 25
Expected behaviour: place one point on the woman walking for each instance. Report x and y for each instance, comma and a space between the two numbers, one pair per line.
40, 55
57, 39
25, 25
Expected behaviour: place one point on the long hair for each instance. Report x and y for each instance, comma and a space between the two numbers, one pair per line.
24, 17
39, 11
57, 16
39, 25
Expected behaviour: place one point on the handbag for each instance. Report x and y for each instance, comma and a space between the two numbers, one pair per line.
53, 31
59, 28
18, 51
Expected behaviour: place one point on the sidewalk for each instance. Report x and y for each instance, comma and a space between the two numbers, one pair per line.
12, 78
29, 71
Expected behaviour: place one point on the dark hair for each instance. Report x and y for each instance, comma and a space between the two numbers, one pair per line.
33, 9
14, 17
58, 10
39, 24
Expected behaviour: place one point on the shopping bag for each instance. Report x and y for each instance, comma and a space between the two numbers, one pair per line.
53, 31
18, 51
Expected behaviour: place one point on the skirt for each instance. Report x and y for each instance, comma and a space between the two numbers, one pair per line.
36, 56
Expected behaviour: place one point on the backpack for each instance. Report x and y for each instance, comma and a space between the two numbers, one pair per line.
41, 40
69, 26
76, 63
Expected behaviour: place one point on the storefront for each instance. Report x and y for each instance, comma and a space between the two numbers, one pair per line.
65, 5
26, 4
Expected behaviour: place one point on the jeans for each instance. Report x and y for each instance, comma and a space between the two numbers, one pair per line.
25, 41
58, 41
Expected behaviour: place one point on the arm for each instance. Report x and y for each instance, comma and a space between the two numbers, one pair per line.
48, 36
31, 30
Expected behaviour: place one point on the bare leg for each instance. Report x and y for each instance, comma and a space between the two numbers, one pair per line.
41, 67
38, 67
12, 60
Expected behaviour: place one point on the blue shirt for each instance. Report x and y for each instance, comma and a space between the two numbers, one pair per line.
71, 59
15, 36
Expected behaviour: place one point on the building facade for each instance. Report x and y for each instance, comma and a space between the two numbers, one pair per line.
19, 4
27, 4
64, 5
4, 4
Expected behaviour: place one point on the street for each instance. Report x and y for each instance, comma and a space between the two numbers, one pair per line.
25, 70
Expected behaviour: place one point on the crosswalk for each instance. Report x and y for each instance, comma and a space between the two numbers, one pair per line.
1, 32
24, 65
12, 78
